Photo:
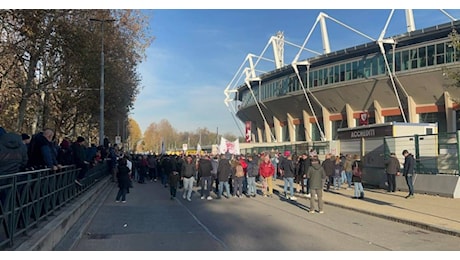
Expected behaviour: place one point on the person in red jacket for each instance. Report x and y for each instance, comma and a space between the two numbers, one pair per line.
266, 171
244, 164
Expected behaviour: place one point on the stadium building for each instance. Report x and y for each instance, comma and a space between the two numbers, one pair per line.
403, 78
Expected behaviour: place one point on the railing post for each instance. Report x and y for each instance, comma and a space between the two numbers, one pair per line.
417, 153
458, 151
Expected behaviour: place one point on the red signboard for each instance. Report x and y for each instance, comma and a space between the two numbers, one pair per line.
364, 118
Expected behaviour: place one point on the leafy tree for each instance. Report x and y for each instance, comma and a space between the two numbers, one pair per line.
135, 134
50, 69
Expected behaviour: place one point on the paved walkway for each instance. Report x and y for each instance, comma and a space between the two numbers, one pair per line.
425, 211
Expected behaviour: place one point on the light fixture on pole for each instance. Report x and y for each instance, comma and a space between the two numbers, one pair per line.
101, 101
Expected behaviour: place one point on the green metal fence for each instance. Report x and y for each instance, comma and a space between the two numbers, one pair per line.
434, 154
27, 199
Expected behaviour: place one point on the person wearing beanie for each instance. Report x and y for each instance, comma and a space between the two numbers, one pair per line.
65, 156
26, 140
79, 157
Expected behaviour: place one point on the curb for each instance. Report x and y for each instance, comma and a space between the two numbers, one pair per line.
425, 226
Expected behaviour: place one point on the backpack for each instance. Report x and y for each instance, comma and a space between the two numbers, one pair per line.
357, 170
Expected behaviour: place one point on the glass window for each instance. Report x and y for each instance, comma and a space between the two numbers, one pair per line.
367, 67
296, 82
430, 55
405, 60
325, 78
413, 59
440, 59
331, 75
450, 53
337, 125
397, 61
320, 78
380, 65
361, 69
315, 76
374, 65
300, 132
348, 73
342, 72
422, 56
336, 73
354, 70
285, 133
435, 117
316, 135
389, 119
389, 57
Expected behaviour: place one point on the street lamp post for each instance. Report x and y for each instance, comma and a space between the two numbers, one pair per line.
101, 98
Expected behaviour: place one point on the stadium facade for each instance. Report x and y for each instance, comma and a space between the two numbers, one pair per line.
403, 78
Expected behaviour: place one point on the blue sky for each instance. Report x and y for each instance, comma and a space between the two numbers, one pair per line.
196, 54
200, 45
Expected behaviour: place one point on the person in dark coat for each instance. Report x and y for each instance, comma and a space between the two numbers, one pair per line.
316, 176
65, 156
174, 178
205, 176
304, 164
13, 154
124, 180
41, 151
329, 167
253, 172
224, 170
287, 170
408, 172
168, 165
79, 158
392, 169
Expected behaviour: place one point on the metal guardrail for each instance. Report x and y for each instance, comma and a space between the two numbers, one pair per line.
28, 199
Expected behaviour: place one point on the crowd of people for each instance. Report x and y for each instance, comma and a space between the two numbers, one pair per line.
236, 176
22, 152
224, 175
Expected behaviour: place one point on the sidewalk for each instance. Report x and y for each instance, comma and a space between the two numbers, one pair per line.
429, 212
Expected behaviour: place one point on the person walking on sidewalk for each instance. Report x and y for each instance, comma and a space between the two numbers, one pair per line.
338, 168
187, 174
392, 169
328, 165
348, 170
205, 176
123, 179
304, 165
224, 170
253, 172
173, 180
237, 177
357, 177
316, 175
266, 172
408, 172
287, 170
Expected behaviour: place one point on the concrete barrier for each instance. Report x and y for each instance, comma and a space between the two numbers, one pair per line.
438, 184
443, 185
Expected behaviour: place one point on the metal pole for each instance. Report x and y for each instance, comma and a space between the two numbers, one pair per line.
101, 101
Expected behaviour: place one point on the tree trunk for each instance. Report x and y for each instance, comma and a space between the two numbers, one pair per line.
26, 92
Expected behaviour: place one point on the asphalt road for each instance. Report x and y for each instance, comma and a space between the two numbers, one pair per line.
150, 221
